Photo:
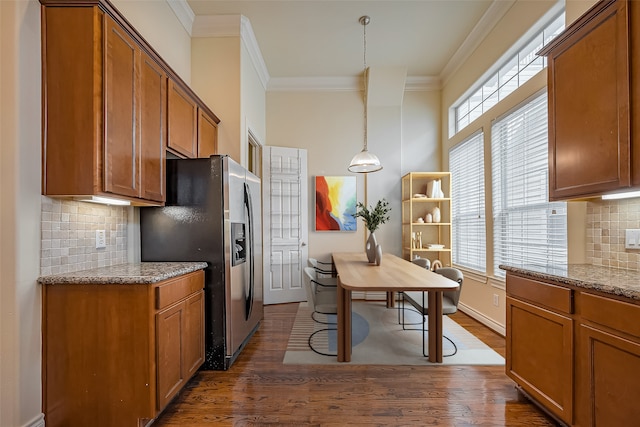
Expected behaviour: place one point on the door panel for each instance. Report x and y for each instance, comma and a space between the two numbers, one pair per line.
285, 223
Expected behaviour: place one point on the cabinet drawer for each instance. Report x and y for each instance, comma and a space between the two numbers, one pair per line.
174, 290
619, 315
544, 294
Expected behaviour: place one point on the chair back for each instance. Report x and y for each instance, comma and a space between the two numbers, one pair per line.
321, 267
455, 275
309, 279
422, 262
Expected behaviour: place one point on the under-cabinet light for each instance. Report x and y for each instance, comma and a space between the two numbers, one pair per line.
104, 200
616, 196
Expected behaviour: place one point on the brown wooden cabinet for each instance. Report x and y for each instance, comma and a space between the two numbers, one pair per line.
594, 98
115, 354
193, 129
608, 341
112, 107
207, 134
103, 108
574, 351
540, 343
183, 121
180, 336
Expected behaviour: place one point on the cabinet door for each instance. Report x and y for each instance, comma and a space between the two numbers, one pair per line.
121, 173
589, 142
609, 388
193, 338
540, 355
207, 134
182, 121
153, 128
169, 326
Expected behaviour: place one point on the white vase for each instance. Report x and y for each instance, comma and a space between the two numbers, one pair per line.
435, 213
378, 254
429, 218
370, 248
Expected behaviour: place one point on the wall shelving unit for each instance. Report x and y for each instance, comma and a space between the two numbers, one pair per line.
421, 238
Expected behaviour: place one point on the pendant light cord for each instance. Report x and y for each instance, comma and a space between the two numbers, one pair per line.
364, 20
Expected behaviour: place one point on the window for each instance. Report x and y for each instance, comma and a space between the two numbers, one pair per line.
466, 163
513, 72
527, 229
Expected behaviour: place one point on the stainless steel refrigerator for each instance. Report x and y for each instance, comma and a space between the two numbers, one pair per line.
213, 214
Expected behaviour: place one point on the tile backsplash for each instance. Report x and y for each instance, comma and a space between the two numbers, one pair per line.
68, 241
606, 222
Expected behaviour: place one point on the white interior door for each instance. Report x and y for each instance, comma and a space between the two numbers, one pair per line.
285, 213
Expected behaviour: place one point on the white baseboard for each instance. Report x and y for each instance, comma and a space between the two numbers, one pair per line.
38, 421
490, 323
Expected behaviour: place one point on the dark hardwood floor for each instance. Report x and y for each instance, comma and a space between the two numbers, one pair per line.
259, 390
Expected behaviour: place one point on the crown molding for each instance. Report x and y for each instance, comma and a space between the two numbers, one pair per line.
489, 20
251, 43
343, 84
422, 83
183, 12
315, 84
234, 26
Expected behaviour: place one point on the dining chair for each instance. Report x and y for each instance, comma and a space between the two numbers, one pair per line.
324, 302
450, 300
325, 276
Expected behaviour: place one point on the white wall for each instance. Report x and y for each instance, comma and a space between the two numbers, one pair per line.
20, 204
20, 297
216, 78
330, 126
253, 104
158, 25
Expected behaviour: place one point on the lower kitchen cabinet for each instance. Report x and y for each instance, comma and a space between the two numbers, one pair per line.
116, 354
574, 351
609, 345
180, 345
540, 343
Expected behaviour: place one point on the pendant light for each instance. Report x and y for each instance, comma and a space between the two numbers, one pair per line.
364, 161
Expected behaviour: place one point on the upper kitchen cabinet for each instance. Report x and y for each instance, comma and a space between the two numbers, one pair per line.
104, 103
193, 129
111, 107
183, 122
594, 102
207, 133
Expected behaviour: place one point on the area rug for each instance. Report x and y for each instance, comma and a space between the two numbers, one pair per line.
378, 339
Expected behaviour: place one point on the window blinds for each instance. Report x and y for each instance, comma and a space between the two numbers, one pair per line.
527, 229
466, 163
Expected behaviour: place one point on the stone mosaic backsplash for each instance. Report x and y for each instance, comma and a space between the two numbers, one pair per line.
606, 222
69, 236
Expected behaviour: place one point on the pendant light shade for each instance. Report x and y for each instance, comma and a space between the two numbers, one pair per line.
364, 161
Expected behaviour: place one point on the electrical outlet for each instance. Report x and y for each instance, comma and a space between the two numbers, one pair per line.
101, 239
496, 300
632, 238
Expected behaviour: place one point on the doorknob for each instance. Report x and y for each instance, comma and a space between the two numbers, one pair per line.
303, 244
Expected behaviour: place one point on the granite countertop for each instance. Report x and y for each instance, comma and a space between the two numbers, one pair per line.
604, 279
130, 273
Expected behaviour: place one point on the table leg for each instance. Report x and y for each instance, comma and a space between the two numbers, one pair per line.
344, 323
391, 299
435, 327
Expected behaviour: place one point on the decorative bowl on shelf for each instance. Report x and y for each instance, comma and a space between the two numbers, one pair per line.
419, 196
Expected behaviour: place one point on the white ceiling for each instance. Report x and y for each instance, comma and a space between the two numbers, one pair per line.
323, 38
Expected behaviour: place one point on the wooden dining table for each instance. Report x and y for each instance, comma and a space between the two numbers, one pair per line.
394, 274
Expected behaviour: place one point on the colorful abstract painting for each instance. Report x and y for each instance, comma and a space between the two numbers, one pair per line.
335, 203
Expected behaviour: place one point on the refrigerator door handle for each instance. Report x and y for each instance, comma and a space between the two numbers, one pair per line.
249, 208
